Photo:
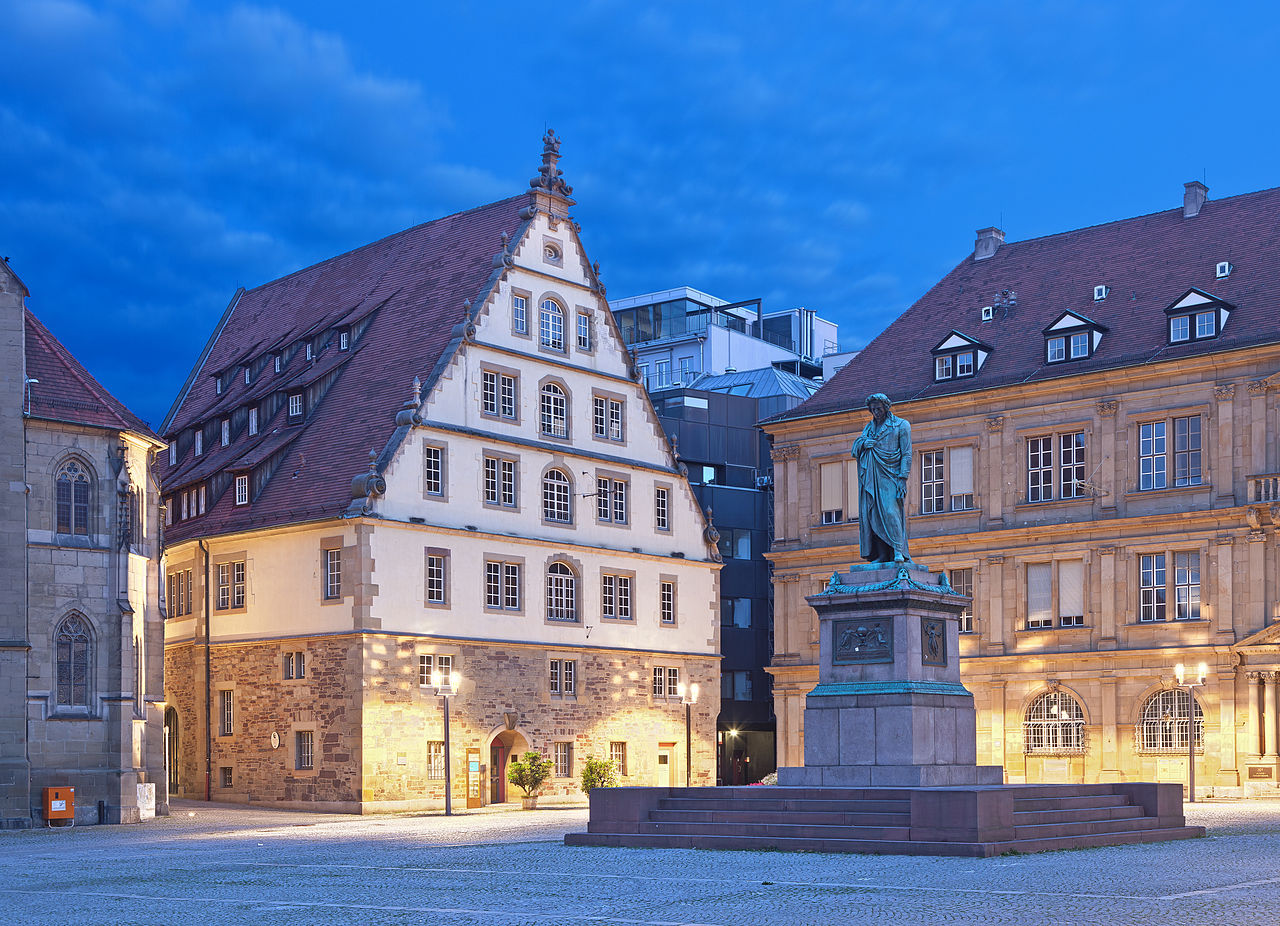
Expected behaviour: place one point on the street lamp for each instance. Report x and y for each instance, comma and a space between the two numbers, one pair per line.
688, 697
1180, 671
446, 685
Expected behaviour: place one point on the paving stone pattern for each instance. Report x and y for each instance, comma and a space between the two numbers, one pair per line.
227, 864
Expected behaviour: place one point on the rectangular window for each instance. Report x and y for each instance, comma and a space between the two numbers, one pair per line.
1039, 469
520, 314
278, 362
295, 665
961, 478
344, 339
310, 351
962, 582
491, 493
435, 578
1079, 345
932, 481
433, 470
1180, 328
1186, 586
1206, 324
305, 749
226, 713
426, 665
564, 760
502, 586
226, 431
237, 585
563, 681
489, 392
1070, 593
199, 441
659, 681
1039, 595
942, 368
295, 405
200, 499
333, 574
225, 775
611, 500
253, 421
964, 364
831, 485
673, 682
435, 760
662, 373
1153, 590
1056, 349
615, 597
1071, 465
668, 603
432, 664
173, 452
584, 331
1151, 455
222, 598
1186, 451
618, 756
242, 490
661, 509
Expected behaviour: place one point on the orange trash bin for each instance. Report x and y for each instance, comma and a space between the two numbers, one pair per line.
59, 804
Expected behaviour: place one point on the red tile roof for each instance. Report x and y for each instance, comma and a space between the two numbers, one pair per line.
66, 392
413, 285
1148, 262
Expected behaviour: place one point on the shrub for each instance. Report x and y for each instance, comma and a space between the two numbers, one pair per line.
530, 772
598, 773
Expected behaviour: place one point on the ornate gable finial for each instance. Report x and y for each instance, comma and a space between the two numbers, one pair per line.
408, 415
550, 176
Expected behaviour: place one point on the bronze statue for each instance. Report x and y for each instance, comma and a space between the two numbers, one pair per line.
884, 464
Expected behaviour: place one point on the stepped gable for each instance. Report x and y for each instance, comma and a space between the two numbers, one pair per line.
1148, 262
66, 392
411, 286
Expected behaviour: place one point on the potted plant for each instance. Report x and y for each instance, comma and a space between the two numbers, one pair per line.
598, 773
529, 773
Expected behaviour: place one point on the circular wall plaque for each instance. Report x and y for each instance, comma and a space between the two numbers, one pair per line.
275, 740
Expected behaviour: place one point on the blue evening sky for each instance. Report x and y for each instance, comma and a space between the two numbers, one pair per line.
156, 154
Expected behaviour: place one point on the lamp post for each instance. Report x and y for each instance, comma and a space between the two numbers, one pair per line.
446, 685
688, 697
1180, 671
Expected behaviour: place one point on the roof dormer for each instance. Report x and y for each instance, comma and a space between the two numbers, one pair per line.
1072, 336
958, 356
1197, 316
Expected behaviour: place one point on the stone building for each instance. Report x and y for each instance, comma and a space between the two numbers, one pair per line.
81, 633
432, 455
1094, 420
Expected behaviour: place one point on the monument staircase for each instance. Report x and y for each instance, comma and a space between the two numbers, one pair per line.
897, 821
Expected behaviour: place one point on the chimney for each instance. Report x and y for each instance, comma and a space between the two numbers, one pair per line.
989, 241
1193, 198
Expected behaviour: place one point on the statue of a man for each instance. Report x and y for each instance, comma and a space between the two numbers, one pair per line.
884, 463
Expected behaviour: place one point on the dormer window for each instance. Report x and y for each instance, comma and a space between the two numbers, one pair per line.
253, 420
173, 452
242, 490
988, 313
1197, 316
310, 352
958, 356
199, 440
226, 431
1100, 293
344, 339
247, 376
1072, 337
279, 362
295, 405
1223, 269
217, 385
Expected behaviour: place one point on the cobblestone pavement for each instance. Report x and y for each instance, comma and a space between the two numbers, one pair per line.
212, 864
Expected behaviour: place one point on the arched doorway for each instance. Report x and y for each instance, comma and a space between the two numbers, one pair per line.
502, 747
171, 749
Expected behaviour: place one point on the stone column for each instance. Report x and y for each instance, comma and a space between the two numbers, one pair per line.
1113, 479
993, 500
1222, 600
1257, 458
1254, 730
1269, 714
786, 503
1223, 476
1228, 749
1252, 608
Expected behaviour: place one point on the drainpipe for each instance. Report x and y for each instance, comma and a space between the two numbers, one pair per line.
208, 680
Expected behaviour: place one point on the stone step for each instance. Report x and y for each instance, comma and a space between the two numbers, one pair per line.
766, 831
1084, 827
877, 846
810, 805
1025, 805
778, 793
806, 816
1110, 812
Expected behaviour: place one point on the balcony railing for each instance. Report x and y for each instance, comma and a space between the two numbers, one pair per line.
1264, 488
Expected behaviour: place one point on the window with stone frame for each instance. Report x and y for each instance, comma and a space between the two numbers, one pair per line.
1158, 584
662, 508
1154, 453
611, 500
562, 593
618, 756
304, 750
435, 760
584, 331
615, 597
1167, 720
73, 490
499, 481
562, 681
72, 646
502, 586
607, 418
553, 411
1054, 725
226, 712
946, 480
294, 665
557, 497
838, 491
519, 313
229, 585
962, 581
666, 682
563, 760
433, 462
437, 576
332, 573
551, 325
1055, 594
498, 394
667, 602
434, 667
179, 588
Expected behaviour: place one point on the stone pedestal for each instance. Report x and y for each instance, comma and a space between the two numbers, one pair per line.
889, 709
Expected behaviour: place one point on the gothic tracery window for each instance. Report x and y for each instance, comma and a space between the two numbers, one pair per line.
71, 488
71, 645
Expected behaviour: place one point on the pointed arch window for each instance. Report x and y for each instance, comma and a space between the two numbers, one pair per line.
551, 325
71, 645
1054, 725
562, 593
72, 486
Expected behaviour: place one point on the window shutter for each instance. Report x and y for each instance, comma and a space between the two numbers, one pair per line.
832, 486
1039, 591
961, 470
851, 484
1071, 588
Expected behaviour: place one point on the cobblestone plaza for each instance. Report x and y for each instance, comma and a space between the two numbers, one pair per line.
220, 864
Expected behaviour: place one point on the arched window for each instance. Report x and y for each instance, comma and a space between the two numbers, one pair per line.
72, 493
1165, 721
554, 411
71, 646
562, 593
551, 324
1054, 724
557, 497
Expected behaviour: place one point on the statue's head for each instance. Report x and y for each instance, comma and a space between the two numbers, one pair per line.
879, 405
